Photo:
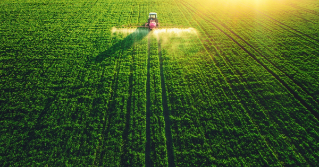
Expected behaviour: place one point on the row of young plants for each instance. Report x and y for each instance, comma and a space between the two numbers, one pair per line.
299, 50
137, 137
22, 101
298, 116
158, 151
294, 63
292, 53
200, 111
93, 87
129, 98
51, 94
233, 63
222, 112
244, 32
134, 154
133, 141
165, 156
124, 135
288, 15
195, 120
121, 140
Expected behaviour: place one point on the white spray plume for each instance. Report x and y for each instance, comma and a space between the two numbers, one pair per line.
164, 34
175, 31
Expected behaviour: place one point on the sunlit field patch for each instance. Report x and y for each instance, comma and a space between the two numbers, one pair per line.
219, 83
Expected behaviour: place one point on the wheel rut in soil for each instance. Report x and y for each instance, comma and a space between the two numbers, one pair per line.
168, 134
110, 106
125, 158
148, 162
312, 108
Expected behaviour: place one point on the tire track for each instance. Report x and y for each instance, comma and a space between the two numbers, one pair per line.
276, 55
249, 15
125, 157
110, 106
148, 160
310, 108
244, 108
168, 133
262, 108
258, 129
308, 21
114, 95
304, 9
308, 93
100, 87
300, 36
254, 123
289, 27
260, 54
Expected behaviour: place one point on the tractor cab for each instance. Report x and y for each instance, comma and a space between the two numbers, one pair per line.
152, 20
152, 15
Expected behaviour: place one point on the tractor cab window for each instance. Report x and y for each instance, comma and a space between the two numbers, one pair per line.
153, 16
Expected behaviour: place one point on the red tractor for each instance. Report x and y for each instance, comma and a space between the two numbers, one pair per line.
152, 21
151, 24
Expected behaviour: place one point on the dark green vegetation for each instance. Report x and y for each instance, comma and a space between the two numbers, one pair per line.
241, 88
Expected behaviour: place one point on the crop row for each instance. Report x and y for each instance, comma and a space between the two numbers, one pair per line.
239, 92
240, 70
57, 101
290, 70
284, 41
215, 84
158, 151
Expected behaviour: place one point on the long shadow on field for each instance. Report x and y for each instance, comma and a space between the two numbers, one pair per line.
124, 44
127, 156
121, 45
168, 133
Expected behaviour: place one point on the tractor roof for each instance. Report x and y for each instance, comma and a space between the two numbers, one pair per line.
153, 13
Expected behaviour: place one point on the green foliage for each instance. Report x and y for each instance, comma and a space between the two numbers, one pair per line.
241, 91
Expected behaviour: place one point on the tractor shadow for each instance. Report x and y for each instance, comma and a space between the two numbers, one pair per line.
124, 44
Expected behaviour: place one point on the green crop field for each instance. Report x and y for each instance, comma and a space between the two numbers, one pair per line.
219, 83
